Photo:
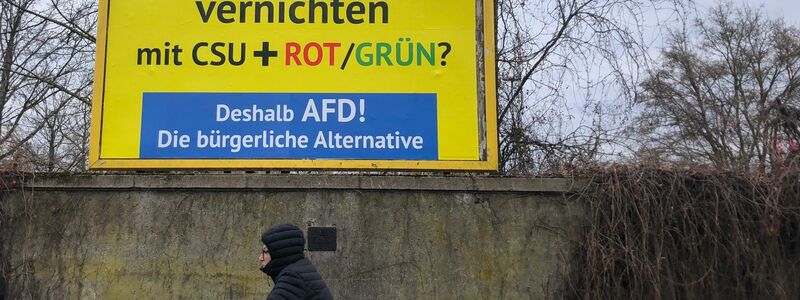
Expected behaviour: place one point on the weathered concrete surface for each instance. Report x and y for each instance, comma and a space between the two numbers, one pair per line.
197, 237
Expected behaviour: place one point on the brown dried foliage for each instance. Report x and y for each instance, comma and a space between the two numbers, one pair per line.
666, 234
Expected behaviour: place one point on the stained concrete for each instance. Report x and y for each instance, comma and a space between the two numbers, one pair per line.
197, 236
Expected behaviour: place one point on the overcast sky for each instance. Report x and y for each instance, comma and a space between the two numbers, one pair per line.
657, 27
787, 9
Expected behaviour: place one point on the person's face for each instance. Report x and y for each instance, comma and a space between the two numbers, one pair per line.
264, 258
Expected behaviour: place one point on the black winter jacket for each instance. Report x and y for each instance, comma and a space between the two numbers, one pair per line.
294, 275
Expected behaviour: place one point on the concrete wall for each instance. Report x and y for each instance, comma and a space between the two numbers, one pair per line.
197, 237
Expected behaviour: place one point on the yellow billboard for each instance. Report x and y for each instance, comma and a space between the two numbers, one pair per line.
295, 84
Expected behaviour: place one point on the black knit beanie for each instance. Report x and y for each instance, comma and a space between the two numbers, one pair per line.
285, 243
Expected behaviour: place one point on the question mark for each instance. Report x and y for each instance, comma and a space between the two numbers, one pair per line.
446, 51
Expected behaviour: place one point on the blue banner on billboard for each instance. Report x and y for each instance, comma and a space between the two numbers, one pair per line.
289, 126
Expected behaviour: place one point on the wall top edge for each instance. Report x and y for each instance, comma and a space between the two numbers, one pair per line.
294, 182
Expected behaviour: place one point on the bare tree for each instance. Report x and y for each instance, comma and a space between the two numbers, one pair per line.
556, 57
45, 76
725, 97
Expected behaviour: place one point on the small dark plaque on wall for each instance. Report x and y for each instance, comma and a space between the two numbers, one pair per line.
321, 239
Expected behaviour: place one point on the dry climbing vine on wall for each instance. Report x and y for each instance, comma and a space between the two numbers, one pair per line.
19, 277
664, 234
8, 182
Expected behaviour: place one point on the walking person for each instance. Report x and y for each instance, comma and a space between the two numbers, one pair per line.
282, 258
